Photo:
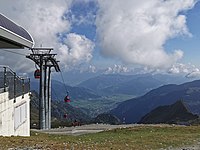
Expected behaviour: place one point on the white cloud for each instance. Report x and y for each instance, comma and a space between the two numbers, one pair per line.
76, 49
116, 69
135, 31
43, 20
92, 69
194, 74
88, 69
46, 22
189, 70
130, 30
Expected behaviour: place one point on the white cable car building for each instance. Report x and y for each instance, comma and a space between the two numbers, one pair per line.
14, 91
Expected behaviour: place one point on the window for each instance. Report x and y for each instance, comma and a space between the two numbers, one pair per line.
20, 115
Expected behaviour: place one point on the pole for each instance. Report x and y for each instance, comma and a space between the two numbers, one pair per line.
41, 97
45, 96
49, 96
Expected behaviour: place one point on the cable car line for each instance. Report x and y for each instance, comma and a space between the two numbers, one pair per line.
13, 52
53, 90
37, 75
67, 98
65, 115
63, 81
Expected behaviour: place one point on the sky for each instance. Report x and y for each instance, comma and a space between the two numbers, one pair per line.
114, 36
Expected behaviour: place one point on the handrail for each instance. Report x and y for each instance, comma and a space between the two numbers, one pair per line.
12, 83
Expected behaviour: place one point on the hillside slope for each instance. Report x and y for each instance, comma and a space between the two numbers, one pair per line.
137, 86
134, 109
105, 81
59, 91
122, 84
59, 109
106, 119
170, 114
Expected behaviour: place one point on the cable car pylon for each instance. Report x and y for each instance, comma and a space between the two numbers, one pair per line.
44, 59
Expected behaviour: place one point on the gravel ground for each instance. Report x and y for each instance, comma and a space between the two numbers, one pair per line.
193, 147
84, 129
93, 128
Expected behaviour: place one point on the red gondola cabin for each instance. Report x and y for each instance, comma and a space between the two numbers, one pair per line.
65, 115
37, 74
67, 99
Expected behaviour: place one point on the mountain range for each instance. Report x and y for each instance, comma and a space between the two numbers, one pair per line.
110, 84
176, 113
76, 77
108, 93
136, 85
100, 94
131, 111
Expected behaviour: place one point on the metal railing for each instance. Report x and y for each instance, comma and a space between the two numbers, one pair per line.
15, 85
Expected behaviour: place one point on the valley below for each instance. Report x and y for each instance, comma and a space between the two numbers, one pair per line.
127, 97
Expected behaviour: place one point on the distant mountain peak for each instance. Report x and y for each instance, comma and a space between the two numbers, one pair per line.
175, 113
134, 109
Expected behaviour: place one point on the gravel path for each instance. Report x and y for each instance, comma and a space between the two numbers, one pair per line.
84, 129
192, 147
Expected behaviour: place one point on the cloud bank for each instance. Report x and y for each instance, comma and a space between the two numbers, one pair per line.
135, 31
194, 74
46, 22
75, 50
190, 71
131, 31
43, 19
117, 69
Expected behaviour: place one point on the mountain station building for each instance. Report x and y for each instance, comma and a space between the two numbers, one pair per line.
14, 90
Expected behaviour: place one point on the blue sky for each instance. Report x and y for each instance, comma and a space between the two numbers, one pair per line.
114, 36
84, 9
190, 45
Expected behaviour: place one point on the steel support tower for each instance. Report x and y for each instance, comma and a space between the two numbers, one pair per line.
45, 61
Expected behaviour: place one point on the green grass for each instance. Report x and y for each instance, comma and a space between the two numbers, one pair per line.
140, 138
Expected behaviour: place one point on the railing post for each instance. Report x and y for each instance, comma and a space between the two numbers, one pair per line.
23, 88
14, 87
5, 76
29, 84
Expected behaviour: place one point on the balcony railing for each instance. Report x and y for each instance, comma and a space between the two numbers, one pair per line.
9, 82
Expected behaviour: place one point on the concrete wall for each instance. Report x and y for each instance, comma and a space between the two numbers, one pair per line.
14, 117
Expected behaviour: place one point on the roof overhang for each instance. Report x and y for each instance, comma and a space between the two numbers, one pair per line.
13, 35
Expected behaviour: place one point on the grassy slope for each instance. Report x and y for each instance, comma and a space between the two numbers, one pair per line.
140, 138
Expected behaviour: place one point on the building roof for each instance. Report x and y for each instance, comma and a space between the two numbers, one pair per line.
13, 35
